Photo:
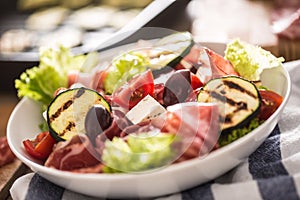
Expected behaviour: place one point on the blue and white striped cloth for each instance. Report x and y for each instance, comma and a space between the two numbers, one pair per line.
271, 172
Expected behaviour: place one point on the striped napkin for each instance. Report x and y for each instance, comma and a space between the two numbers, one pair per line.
271, 172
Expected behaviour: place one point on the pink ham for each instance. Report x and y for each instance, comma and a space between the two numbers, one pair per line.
77, 154
119, 123
6, 155
197, 124
287, 25
207, 64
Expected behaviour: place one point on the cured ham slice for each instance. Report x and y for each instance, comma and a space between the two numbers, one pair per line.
213, 66
77, 155
119, 123
219, 65
6, 155
200, 136
288, 26
207, 64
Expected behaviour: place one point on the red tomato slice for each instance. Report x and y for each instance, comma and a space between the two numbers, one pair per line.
41, 146
128, 95
270, 102
195, 82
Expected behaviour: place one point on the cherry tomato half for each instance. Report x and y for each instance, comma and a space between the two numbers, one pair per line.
41, 147
128, 95
270, 102
195, 82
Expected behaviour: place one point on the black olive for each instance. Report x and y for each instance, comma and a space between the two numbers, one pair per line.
177, 88
97, 119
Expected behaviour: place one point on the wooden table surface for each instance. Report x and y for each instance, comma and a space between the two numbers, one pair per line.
10, 172
7, 103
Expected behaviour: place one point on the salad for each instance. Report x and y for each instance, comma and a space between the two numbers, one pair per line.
162, 103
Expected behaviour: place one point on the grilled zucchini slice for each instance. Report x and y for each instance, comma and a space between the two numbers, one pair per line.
177, 44
67, 111
169, 51
239, 100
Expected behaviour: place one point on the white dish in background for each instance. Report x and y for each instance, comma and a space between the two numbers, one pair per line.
24, 120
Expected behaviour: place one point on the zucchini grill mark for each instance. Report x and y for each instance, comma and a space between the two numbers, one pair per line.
66, 113
235, 86
238, 105
70, 126
239, 96
63, 108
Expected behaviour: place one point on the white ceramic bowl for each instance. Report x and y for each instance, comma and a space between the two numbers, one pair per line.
26, 116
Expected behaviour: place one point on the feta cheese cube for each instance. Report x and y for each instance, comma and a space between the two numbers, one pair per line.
147, 108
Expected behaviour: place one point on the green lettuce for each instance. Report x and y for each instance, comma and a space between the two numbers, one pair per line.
40, 82
239, 132
139, 152
124, 68
249, 60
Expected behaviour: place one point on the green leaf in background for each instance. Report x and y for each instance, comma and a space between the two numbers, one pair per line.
62, 60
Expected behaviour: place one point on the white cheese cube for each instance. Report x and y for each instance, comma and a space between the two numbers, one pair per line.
45, 115
147, 108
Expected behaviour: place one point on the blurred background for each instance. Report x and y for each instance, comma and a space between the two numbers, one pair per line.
26, 25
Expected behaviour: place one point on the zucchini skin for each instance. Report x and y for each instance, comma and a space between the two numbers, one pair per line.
222, 98
172, 64
175, 61
66, 105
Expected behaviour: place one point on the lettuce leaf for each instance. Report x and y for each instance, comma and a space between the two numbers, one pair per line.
249, 60
40, 82
239, 132
139, 152
124, 68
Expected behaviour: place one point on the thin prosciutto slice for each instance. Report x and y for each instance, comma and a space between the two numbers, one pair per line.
196, 124
206, 64
6, 155
77, 155
287, 25
119, 123
213, 66
220, 66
